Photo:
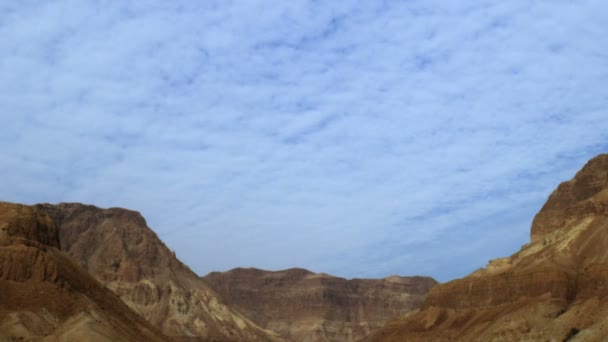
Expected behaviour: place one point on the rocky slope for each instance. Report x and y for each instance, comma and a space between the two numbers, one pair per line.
45, 296
119, 250
304, 306
555, 288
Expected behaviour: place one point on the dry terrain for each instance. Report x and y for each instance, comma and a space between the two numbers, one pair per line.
554, 289
304, 306
45, 296
74, 272
117, 247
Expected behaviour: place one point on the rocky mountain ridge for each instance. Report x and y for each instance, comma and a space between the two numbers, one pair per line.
45, 296
113, 249
555, 288
74, 272
118, 248
304, 306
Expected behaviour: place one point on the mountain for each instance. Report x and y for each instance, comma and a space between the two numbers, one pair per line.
555, 288
305, 306
45, 296
117, 247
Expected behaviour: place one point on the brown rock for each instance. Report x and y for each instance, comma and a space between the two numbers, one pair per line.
555, 288
592, 179
117, 247
45, 295
305, 306
20, 223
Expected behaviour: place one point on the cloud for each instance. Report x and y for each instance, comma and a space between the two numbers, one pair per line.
355, 139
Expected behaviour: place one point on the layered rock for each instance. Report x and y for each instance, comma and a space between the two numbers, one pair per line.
305, 306
117, 247
572, 199
555, 288
44, 295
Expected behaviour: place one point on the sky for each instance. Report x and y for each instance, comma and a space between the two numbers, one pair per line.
356, 138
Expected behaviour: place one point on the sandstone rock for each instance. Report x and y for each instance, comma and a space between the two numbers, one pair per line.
555, 288
44, 295
589, 181
304, 306
117, 247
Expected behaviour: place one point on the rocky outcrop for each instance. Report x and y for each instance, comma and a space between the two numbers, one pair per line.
117, 247
44, 295
305, 306
570, 199
555, 288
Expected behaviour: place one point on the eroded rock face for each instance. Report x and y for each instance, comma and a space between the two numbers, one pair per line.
118, 249
555, 288
45, 295
304, 306
562, 204
21, 223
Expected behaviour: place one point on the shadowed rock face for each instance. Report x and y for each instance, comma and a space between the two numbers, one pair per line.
119, 250
304, 306
555, 288
44, 295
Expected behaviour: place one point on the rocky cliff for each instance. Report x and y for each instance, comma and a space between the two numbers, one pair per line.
119, 250
555, 288
305, 306
45, 296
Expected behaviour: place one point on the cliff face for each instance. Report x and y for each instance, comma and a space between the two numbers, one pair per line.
119, 250
44, 295
554, 288
573, 198
304, 306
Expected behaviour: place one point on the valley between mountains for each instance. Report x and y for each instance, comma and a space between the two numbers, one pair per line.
75, 272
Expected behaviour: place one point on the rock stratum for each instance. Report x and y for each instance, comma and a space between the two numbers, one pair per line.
554, 289
45, 296
117, 247
304, 306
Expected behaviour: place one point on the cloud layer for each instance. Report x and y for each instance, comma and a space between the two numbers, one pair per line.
400, 137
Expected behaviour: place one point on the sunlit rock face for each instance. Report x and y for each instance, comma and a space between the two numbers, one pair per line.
574, 198
45, 295
304, 306
555, 288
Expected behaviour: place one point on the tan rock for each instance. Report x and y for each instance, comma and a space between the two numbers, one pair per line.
554, 289
117, 247
45, 296
305, 306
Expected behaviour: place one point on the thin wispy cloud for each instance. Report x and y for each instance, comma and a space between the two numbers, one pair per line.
408, 137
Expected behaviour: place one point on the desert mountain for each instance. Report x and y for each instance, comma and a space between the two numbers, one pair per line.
554, 289
45, 296
120, 251
305, 306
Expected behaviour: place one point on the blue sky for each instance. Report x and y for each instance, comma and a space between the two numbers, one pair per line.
360, 139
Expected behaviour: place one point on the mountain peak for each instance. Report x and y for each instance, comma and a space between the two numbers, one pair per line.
552, 289
588, 182
45, 295
21, 222
118, 248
